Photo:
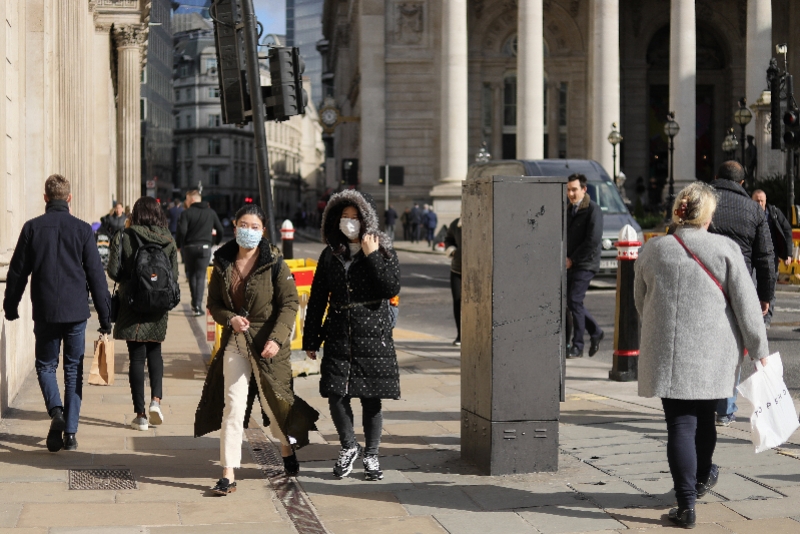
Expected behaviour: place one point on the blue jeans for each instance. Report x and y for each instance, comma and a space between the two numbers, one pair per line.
728, 406
49, 337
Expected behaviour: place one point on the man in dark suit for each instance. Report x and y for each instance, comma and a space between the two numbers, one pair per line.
584, 236
59, 253
781, 232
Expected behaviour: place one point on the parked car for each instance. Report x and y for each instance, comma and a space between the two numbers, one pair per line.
600, 187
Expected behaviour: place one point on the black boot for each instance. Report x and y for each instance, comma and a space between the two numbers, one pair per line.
683, 517
70, 443
55, 439
710, 482
291, 466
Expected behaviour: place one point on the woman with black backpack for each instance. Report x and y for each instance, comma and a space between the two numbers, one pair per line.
144, 260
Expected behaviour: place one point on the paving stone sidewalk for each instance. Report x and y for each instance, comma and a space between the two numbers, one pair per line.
613, 474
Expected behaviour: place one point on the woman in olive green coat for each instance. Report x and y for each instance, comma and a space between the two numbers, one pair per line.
143, 332
253, 294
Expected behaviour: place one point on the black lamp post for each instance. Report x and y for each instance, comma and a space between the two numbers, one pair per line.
671, 128
743, 116
614, 138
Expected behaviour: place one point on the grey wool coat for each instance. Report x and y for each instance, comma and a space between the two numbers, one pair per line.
692, 339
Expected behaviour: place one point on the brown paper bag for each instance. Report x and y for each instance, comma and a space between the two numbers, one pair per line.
102, 373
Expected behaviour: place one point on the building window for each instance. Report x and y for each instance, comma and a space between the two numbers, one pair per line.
177, 122
213, 92
211, 65
510, 100
214, 147
213, 121
189, 121
188, 94
143, 109
189, 151
184, 70
177, 95
562, 120
213, 175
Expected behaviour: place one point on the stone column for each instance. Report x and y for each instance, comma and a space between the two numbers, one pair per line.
372, 62
103, 119
129, 39
530, 84
682, 88
759, 51
603, 79
454, 130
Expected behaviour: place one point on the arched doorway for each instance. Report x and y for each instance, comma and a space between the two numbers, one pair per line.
712, 91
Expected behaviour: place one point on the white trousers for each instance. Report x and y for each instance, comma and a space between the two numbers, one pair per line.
237, 368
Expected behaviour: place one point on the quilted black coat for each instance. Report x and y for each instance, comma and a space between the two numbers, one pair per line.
359, 358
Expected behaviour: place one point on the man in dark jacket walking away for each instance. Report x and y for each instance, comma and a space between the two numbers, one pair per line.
196, 228
781, 233
584, 236
414, 220
390, 218
742, 220
59, 253
174, 215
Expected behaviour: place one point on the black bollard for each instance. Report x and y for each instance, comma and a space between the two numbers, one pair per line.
287, 239
626, 323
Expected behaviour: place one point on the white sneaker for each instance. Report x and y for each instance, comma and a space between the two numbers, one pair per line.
139, 423
156, 416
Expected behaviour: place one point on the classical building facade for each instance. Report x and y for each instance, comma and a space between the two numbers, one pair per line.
70, 77
304, 30
220, 157
425, 83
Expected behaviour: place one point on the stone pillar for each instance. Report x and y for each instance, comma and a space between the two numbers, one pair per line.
682, 89
128, 40
759, 51
603, 80
103, 118
530, 80
454, 133
372, 62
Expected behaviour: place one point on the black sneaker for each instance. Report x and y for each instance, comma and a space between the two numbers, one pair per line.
574, 352
372, 468
710, 482
224, 487
595, 344
683, 517
457, 342
344, 465
55, 438
291, 466
70, 443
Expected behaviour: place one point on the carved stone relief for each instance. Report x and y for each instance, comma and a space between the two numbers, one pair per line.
408, 23
131, 4
130, 35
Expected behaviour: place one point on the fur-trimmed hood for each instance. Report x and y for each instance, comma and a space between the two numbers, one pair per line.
366, 207
267, 255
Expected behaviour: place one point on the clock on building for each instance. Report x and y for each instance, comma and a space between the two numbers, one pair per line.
329, 116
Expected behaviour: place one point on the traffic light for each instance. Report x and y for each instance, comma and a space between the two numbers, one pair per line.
248, 200
231, 61
286, 97
791, 136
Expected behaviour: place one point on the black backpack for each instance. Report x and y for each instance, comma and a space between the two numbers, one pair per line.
153, 287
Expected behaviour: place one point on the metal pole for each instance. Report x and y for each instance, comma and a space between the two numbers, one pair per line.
744, 164
790, 178
259, 116
671, 176
386, 183
614, 158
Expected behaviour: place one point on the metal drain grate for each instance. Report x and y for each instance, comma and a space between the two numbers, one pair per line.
101, 479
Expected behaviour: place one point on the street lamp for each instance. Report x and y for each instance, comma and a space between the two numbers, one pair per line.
614, 138
671, 128
730, 144
743, 116
483, 155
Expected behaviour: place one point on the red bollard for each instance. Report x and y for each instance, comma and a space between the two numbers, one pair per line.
287, 238
626, 322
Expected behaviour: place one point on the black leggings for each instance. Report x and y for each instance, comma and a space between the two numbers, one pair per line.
138, 352
372, 419
691, 439
455, 289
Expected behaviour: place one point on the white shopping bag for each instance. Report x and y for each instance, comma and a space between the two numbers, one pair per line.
774, 418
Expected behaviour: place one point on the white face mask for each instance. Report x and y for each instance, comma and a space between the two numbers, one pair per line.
350, 227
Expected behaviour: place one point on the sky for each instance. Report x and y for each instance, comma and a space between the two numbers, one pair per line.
270, 13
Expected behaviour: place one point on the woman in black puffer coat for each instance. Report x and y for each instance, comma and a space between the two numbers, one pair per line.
356, 275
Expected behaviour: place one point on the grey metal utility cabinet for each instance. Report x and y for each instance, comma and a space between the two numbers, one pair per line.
513, 315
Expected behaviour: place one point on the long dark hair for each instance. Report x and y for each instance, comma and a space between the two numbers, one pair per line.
147, 212
336, 239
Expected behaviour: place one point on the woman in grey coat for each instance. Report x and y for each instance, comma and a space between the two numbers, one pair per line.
697, 321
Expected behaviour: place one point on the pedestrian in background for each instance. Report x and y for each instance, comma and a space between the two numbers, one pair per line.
414, 221
406, 222
782, 244
196, 228
143, 332
357, 273
430, 221
584, 235
390, 218
59, 253
253, 294
174, 214
699, 311
743, 221
115, 220
453, 250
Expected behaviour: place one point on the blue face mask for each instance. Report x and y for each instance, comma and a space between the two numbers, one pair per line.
248, 238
